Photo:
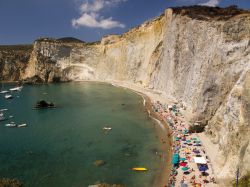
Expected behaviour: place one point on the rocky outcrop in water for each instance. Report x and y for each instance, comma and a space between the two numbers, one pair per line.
10, 183
197, 55
44, 104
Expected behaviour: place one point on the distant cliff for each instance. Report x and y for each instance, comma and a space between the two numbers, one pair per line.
199, 55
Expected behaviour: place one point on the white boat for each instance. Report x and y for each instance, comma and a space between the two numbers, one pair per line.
8, 96
22, 125
107, 128
2, 118
4, 91
10, 125
4, 109
18, 88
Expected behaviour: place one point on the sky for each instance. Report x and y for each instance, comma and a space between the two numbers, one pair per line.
23, 21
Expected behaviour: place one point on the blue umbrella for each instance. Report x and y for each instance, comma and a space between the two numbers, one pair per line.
203, 168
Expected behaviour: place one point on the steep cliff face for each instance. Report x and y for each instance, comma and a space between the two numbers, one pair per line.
199, 55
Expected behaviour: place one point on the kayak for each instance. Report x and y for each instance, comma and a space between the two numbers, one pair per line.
139, 169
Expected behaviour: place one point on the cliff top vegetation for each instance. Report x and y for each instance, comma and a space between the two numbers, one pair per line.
207, 13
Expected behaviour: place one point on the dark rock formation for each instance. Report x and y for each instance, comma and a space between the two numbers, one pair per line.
33, 80
44, 104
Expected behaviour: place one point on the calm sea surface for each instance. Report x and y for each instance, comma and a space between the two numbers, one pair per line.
59, 146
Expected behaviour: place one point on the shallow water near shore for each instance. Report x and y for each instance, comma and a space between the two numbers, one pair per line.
59, 146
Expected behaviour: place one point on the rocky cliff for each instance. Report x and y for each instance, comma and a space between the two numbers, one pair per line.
198, 55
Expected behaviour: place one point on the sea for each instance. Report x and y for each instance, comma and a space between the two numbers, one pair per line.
60, 146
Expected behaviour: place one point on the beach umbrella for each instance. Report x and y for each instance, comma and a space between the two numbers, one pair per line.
196, 151
184, 185
182, 159
175, 162
188, 141
184, 168
175, 159
183, 164
203, 168
197, 144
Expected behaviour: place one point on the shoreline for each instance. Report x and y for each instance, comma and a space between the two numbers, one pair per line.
161, 127
162, 130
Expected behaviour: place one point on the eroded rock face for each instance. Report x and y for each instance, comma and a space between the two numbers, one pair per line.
13, 61
198, 55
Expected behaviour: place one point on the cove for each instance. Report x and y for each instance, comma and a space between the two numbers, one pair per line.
59, 146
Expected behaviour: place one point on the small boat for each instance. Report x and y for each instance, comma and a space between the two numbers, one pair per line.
139, 169
22, 125
107, 128
10, 125
4, 92
4, 109
8, 96
19, 88
2, 118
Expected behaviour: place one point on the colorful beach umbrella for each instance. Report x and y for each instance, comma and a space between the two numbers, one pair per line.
183, 164
184, 168
182, 159
196, 151
203, 168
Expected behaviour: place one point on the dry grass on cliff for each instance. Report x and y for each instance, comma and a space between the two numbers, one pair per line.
27, 47
207, 13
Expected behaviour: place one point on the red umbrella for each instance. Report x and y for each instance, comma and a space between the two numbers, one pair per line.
183, 164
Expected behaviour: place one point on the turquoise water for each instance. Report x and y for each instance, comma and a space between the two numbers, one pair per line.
59, 146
